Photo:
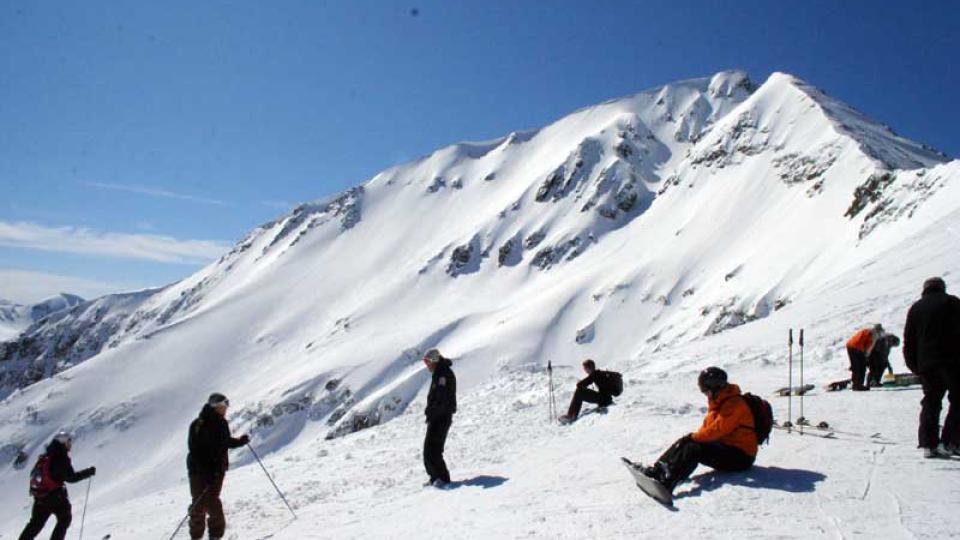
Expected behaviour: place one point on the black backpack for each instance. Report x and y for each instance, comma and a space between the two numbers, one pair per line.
762, 416
614, 382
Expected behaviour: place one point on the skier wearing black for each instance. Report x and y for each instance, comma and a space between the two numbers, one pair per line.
53, 469
208, 441
879, 359
608, 384
441, 405
726, 440
931, 349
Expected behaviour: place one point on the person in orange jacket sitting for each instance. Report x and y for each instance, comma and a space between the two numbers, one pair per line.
859, 348
726, 440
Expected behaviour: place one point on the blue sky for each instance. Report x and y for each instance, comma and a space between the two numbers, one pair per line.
139, 139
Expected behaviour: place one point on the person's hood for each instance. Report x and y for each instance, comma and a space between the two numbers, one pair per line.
931, 291
724, 394
208, 412
56, 448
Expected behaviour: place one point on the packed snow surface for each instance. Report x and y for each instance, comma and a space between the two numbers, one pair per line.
685, 226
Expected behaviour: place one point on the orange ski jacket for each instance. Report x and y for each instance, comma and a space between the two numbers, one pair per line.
729, 421
861, 341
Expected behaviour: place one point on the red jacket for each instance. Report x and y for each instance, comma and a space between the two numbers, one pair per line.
729, 421
862, 341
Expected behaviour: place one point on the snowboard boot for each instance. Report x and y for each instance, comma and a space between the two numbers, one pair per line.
949, 449
937, 452
440, 483
658, 471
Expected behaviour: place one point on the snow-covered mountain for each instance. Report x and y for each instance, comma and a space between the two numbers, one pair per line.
634, 232
14, 318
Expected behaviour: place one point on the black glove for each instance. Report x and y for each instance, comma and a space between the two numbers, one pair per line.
244, 439
90, 471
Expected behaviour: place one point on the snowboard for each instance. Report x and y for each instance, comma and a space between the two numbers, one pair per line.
796, 390
838, 385
903, 379
648, 485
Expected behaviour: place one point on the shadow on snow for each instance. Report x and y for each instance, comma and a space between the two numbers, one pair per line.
791, 480
483, 480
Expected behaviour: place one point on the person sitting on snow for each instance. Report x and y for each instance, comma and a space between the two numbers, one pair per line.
608, 383
726, 440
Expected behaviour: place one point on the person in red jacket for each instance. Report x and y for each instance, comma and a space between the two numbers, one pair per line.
726, 440
859, 348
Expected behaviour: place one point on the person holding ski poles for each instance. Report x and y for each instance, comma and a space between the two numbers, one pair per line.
47, 479
208, 441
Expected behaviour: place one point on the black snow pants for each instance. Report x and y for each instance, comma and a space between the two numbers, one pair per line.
879, 361
682, 459
590, 396
206, 510
56, 504
858, 368
433, 445
937, 382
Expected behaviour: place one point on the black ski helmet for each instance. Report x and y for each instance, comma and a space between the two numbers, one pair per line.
712, 379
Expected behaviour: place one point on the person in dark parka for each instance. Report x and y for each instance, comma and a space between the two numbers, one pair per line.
931, 349
53, 469
207, 464
879, 359
441, 405
602, 396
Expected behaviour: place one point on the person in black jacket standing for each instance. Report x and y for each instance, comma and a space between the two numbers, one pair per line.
207, 463
53, 469
931, 349
441, 405
605, 381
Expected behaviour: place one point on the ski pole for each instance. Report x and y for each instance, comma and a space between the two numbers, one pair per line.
189, 511
553, 396
551, 411
802, 418
790, 380
271, 481
83, 517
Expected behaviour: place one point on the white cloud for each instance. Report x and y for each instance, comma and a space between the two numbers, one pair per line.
155, 192
150, 247
24, 287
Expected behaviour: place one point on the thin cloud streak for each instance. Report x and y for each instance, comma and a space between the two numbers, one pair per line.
155, 192
150, 247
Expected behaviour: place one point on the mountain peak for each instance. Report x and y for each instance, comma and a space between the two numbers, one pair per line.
875, 140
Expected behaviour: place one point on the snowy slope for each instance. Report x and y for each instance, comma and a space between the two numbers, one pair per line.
686, 225
14, 318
